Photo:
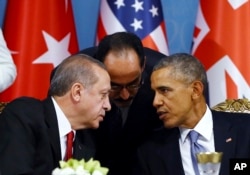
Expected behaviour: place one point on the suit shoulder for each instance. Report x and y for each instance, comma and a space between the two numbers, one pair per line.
91, 51
152, 58
235, 118
25, 102
231, 115
23, 106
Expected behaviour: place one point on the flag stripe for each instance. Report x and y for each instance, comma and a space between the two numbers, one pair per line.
110, 22
159, 37
232, 92
149, 42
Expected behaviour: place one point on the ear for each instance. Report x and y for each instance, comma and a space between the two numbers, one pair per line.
198, 89
76, 91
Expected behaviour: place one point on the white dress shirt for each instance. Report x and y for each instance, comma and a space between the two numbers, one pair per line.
64, 127
7, 66
206, 139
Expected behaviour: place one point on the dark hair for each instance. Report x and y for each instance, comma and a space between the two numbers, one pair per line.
76, 68
185, 67
120, 41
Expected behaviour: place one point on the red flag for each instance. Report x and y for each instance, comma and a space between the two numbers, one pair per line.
221, 42
144, 18
39, 34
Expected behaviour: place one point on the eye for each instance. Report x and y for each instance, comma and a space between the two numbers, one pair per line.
133, 86
164, 90
115, 87
104, 95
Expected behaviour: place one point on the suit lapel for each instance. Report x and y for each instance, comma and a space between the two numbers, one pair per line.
84, 145
225, 139
53, 131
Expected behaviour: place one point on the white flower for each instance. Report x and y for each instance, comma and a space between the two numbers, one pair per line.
80, 167
97, 172
64, 171
81, 171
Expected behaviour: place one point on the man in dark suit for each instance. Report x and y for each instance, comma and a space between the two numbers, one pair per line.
132, 116
179, 82
33, 132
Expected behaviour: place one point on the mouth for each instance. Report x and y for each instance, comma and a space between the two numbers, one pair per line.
101, 117
162, 114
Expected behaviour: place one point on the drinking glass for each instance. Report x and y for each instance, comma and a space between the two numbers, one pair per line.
209, 162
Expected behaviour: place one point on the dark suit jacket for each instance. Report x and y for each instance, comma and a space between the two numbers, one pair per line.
117, 145
30, 141
160, 155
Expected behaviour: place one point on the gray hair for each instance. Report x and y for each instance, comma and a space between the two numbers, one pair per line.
184, 67
76, 68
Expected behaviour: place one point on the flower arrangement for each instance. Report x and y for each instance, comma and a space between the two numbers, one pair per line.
80, 167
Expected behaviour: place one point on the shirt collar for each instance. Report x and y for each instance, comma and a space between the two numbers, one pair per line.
63, 123
204, 127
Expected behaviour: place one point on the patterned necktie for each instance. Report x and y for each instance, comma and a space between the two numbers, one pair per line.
195, 148
69, 145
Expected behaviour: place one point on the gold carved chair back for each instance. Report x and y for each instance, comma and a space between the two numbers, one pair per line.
241, 105
2, 105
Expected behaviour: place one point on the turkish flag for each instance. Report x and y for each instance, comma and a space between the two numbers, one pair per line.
40, 34
222, 43
144, 18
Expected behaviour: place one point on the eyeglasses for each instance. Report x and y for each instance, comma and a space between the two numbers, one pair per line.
130, 87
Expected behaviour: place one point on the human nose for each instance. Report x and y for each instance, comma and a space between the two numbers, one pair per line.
157, 100
124, 93
107, 105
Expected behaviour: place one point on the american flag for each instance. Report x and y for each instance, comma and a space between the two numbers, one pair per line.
142, 17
